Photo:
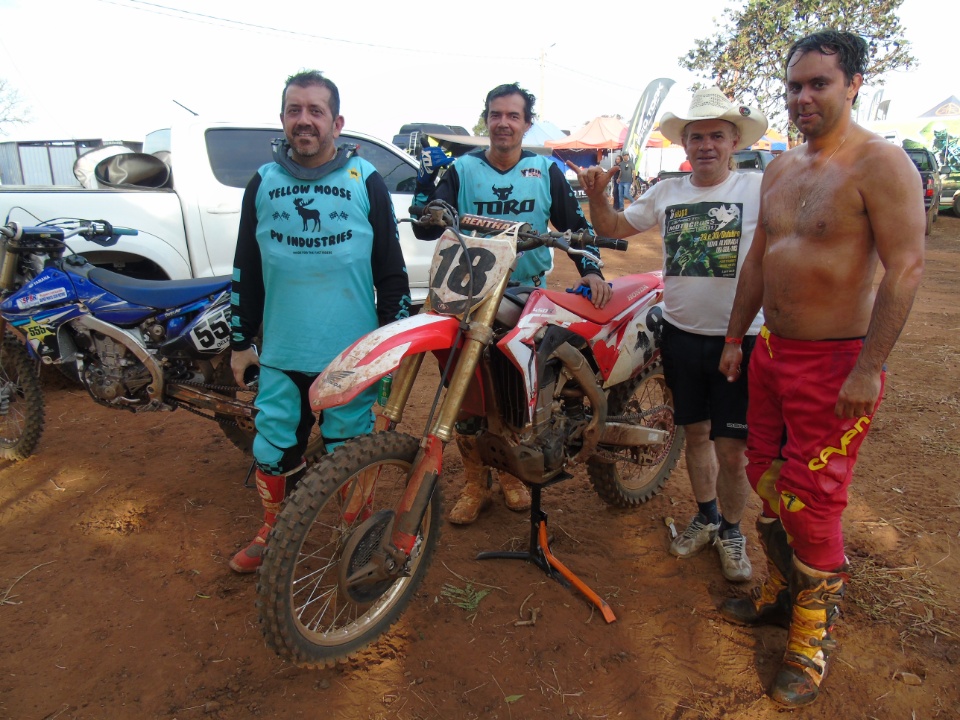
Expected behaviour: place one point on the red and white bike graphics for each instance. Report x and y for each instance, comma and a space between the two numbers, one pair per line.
545, 381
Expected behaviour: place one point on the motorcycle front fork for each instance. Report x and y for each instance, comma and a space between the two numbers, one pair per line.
428, 464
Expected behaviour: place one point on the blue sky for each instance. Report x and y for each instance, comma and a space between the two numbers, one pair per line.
112, 69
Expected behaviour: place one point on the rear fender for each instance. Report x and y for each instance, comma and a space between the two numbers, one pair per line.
378, 353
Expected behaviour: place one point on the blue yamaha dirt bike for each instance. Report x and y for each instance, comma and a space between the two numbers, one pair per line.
138, 345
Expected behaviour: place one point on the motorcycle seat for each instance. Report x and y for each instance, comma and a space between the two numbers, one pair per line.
626, 291
160, 294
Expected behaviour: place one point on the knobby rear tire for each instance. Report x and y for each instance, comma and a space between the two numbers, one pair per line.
624, 483
22, 406
306, 614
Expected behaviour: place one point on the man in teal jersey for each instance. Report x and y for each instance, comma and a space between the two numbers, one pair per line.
317, 237
508, 182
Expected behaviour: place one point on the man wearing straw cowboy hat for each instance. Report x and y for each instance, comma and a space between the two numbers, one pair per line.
707, 220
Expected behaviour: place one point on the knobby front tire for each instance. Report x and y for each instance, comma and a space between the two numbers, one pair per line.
643, 471
308, 614
21, 401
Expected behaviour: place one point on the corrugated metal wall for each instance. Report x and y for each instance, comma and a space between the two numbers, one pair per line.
10, 164
48, 162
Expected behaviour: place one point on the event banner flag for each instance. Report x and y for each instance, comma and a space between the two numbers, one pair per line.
874, 105
644, 117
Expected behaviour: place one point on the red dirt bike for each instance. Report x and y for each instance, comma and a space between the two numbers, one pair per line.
554, 382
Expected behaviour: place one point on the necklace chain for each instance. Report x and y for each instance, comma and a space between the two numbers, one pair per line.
822, 168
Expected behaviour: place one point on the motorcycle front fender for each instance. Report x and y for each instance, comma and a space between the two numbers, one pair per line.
377, 354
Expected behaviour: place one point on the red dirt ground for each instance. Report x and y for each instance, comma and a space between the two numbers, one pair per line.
116, 600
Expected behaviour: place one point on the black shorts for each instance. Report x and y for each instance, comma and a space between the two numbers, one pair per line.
691, 367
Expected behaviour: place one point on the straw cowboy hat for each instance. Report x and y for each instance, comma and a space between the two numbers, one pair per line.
711, 104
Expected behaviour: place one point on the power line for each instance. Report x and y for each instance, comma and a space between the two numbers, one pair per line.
191, 16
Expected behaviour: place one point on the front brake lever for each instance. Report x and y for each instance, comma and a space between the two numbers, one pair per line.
564, 244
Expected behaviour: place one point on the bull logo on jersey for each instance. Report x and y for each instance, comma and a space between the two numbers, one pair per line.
503, 205
307, 215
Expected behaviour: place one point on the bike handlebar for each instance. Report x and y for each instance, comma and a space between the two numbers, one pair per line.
57, 231
441, 214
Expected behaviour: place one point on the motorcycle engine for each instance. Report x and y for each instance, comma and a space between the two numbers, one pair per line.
112, 375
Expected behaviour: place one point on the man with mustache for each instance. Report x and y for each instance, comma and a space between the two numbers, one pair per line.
317, 237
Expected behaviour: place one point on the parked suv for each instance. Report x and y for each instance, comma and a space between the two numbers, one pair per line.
409, 138
752, 159
929, 169
950, 190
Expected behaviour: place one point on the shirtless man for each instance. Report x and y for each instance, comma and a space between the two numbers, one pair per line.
831, 210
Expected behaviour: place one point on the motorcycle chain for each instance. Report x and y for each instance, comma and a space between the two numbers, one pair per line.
637, 417
223, 389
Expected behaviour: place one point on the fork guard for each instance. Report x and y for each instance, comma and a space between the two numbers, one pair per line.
378, 353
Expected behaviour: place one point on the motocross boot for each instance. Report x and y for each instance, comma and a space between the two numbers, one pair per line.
816, 608
272, 489
476, 493
516, 496
769, 602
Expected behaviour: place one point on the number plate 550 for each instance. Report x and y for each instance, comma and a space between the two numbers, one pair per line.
212, 333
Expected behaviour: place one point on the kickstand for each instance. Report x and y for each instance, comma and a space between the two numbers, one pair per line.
246, 479
539, 554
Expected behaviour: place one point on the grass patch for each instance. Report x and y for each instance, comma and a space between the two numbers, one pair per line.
902, 595
466, 597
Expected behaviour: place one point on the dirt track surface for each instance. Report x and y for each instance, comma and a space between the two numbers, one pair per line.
116, 600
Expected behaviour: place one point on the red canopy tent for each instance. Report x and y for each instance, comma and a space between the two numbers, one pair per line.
602, 133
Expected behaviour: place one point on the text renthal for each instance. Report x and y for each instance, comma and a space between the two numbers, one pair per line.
820, 462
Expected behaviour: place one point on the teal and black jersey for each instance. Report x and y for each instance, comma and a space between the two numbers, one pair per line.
310, 254
532, 191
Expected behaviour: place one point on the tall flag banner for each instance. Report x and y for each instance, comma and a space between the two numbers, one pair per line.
644, 117
882, 110
874, 105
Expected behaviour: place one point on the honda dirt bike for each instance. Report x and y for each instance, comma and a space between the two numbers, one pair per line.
136, 345
550, 381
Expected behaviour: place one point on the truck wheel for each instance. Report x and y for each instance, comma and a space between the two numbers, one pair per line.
21, 401
929, 223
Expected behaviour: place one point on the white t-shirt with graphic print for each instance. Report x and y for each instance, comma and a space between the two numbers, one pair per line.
706, 232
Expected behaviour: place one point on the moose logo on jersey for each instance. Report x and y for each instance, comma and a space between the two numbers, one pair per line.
307, 215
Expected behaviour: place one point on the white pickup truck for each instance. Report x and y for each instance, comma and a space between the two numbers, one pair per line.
189, 229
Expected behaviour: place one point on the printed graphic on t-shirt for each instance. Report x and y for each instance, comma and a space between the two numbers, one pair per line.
703, 239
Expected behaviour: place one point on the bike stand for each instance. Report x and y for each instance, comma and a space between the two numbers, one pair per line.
246, 478
539, 554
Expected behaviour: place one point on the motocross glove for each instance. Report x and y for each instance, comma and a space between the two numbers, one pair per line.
441, 214
431, 160
584, 290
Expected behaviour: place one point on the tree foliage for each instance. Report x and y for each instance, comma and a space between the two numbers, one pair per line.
13, 110
481, 127
745, 58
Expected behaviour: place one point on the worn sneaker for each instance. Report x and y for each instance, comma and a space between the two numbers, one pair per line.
695, 538
733, 556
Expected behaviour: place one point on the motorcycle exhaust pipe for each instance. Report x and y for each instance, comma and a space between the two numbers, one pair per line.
624, 435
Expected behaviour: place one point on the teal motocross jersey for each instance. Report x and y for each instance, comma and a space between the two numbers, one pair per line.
533, 191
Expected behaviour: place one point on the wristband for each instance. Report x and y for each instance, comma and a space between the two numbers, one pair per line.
733, 341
